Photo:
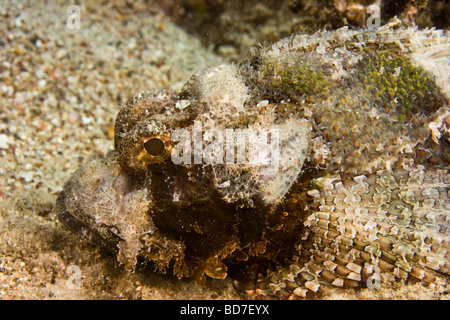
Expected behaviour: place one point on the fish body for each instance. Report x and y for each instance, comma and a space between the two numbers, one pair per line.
319, 163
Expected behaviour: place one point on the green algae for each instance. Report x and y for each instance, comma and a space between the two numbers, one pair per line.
397, 86
294, 76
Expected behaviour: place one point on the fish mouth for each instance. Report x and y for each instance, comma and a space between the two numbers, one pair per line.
78, 223
79, 205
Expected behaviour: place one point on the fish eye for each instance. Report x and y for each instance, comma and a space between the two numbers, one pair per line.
154, 147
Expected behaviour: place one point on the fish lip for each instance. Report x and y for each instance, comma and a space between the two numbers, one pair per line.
69, 218
77, 226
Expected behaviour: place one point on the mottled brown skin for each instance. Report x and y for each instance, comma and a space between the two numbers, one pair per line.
372, 191
206, 227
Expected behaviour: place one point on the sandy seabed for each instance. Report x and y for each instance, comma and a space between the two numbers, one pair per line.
60, 90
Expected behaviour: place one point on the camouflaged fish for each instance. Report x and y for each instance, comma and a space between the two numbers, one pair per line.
358, 123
